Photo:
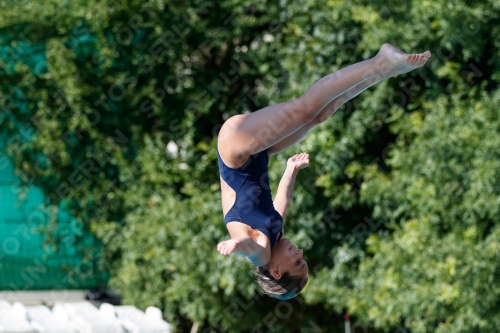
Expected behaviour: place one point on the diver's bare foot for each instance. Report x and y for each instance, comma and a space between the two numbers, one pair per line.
390, 59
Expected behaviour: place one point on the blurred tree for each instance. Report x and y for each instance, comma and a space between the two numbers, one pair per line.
114, 108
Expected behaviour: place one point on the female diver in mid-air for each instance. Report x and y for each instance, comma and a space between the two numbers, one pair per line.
247, 141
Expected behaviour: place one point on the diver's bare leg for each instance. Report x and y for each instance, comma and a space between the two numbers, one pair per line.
327, 111
243, 135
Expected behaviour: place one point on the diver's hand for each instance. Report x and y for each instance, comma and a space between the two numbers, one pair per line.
229, 246
298, 161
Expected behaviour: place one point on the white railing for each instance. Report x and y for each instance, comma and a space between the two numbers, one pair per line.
80, 317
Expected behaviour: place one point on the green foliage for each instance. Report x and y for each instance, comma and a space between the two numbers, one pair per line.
114, 106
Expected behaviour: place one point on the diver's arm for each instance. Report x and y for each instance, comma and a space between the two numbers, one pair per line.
285, 190
247, 247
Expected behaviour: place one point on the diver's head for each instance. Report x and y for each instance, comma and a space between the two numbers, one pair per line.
286, 273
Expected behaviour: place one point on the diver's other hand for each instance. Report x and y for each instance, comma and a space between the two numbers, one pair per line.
298, 161
228, 246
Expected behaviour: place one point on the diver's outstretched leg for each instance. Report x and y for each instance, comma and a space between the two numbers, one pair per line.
247, 134
327, 111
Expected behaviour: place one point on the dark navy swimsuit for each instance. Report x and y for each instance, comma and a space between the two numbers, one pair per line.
253, 204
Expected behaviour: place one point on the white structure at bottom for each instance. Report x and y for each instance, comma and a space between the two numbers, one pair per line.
80, 317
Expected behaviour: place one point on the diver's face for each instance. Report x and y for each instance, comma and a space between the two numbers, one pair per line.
290, 258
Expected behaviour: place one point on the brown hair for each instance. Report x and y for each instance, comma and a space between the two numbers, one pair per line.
287, 287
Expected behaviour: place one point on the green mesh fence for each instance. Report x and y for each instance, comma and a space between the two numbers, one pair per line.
27, 260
